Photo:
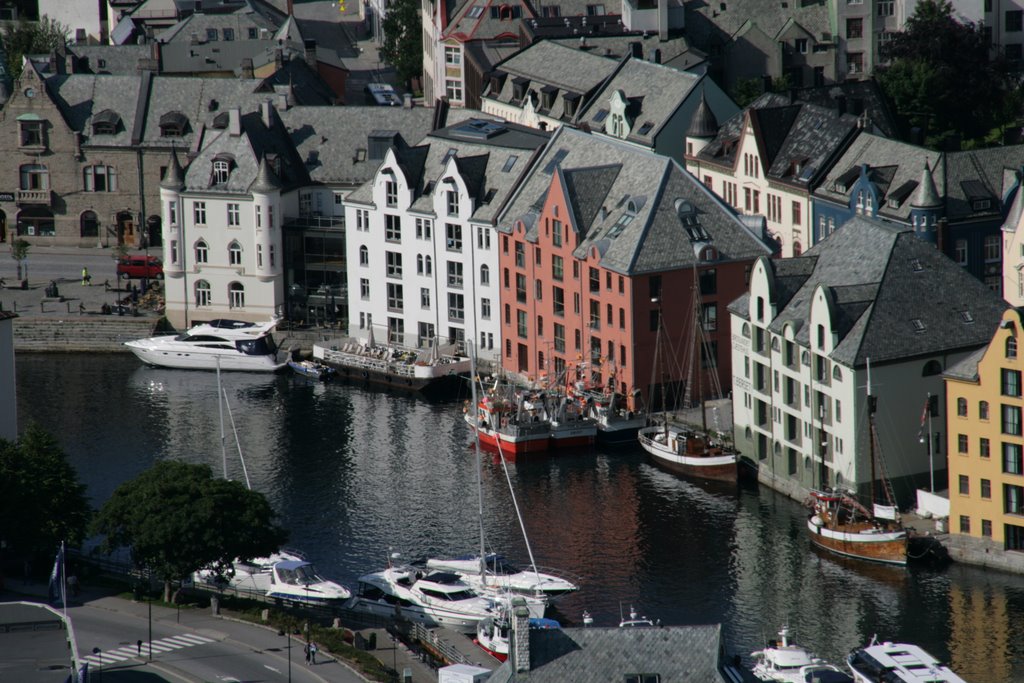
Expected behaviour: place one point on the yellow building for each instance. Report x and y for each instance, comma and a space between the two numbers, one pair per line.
986, 451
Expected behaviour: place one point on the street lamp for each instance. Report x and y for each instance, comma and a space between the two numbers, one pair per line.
99, 669
286, 632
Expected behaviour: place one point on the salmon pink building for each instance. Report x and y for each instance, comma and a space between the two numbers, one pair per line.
603, 243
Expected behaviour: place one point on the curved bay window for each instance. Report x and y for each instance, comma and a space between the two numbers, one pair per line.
202, 252
236, 295
202, 290
34, 177
90, 224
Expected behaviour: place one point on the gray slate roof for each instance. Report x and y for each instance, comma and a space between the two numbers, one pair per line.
797, 140
959, 176
252, 14
80, 97
676, 52
656, 91
708, 22
333, 141
481, 162
109, 59
601, 173
679, 654
885, 284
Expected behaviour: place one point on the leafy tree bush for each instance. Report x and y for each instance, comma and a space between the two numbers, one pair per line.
31, 38
403, 39
177, 518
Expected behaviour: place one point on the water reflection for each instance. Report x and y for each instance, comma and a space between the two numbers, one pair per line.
356, 474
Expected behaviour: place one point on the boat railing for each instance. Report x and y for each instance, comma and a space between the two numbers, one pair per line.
525, 428
357, 361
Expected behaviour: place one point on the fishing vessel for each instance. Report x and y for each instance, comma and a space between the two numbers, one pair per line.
839, 523
783, 661
898, 663
492, 634
511, 421
685, 450
224, 344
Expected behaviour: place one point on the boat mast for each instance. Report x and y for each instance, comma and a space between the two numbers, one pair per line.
479, 465
223, 438
698, 340
872, 403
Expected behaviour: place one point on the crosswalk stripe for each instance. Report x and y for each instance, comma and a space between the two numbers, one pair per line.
156, 647
176, 640
126, 651
167, 642
196, 639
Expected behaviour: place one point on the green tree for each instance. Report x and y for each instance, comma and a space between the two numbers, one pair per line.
178, 518
403, 39
746, 91
938, 64
31, 38
19, 252
41, 500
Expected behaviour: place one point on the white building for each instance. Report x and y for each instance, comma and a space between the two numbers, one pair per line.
803, 339
223, 253
421, 245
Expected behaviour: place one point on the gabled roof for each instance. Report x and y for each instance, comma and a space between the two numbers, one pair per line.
662, 90
487, 19
706, 20
82, 98
629, 204
895, 296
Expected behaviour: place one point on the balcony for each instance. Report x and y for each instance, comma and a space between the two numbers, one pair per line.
34, 197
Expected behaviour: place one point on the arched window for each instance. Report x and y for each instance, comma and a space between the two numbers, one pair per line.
35, 177
202, 252
931, 368
202, 293
430, 266
746, 330
961, 407
90, 224
419, 264
837, 374
1011, 347
797, 249
173, 124
236, 295
775, 343
235, 253
485, 275
364, 256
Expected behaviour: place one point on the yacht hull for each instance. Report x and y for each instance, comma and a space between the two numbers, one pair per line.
189, 359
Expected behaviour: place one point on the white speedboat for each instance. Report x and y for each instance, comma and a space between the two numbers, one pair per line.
505, 576
231, 344
285, 575
433, 598
782, 661
634, 620
897, 663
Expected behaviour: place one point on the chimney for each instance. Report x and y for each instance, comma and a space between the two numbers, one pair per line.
70, 64
234, 122
663, 20
440, 114
942, 233
267, 113
291, 8
636, 50
55, 64
841, 104
309, 47
247, 68
519, 648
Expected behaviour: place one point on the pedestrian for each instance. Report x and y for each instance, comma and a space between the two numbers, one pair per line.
307, 651
312, 653
86, 278
138, 647
135, 293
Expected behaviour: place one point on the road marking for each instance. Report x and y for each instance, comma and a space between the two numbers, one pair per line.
159, 646
267, 666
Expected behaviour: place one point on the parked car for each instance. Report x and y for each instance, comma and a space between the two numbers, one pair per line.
148, 267
382, 94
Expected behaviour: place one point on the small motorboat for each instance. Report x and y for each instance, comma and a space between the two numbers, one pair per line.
782, 661
311, 369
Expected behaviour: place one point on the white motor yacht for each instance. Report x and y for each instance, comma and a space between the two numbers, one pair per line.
898, 663
285, 575
782, 661
231, 344
505, 576
433, 598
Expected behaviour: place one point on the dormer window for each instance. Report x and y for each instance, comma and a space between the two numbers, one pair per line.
32, 129
173, 125
105, 123
221, 171
452, 197
391, 193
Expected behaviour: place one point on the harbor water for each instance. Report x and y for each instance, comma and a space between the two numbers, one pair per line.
356, 474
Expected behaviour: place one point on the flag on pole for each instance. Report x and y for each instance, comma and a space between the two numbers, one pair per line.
924, 417
83, 673
57, 577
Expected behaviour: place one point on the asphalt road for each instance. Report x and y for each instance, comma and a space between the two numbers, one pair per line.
188, 646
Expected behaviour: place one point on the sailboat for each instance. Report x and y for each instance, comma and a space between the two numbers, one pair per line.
839, 523
683, 449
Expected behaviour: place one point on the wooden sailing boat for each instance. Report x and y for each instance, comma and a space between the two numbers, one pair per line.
842, 525
684, 449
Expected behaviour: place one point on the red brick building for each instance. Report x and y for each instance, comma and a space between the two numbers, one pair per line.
603, 238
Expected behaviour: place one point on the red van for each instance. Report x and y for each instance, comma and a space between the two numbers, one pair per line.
140, 267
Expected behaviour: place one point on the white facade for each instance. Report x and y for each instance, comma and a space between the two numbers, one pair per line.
223, 255
424, 275
85, 20
746, 188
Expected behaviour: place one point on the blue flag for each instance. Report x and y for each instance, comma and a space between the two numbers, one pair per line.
83, 673
57, 578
